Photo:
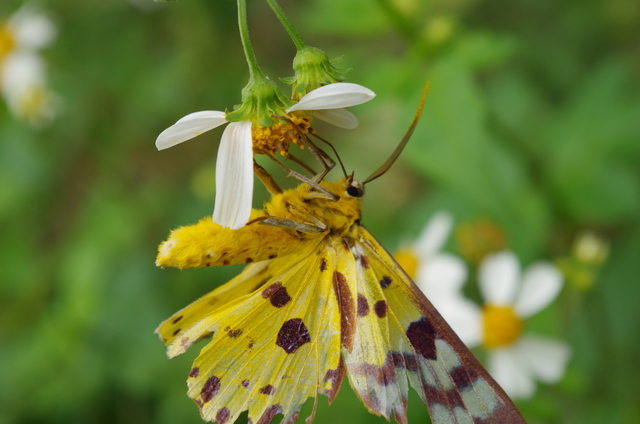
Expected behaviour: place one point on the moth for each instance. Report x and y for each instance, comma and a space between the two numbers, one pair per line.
320, 299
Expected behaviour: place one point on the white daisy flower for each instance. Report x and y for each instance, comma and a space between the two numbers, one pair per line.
22, 70
515, 360
234, 164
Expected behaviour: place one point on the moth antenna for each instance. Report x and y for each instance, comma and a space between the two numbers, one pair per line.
335, 152
385, 166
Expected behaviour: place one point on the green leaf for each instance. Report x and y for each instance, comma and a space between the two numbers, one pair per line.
453, 146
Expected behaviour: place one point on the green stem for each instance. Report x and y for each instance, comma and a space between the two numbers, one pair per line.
254, 68
286, 23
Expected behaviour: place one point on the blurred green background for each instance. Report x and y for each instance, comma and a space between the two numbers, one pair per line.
532, 122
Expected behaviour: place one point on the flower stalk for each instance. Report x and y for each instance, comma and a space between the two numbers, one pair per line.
286, 23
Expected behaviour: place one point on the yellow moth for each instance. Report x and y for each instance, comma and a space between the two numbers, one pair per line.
319, 299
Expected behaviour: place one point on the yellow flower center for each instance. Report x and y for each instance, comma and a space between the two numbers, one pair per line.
277, 137
7, 43
408, 261
479, 238
501, 326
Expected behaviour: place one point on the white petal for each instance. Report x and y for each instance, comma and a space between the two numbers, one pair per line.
32, 30
21, 71
498, 277
464, 317
339, 117
547, 358
508, 369
190, 126
541, 283
440, 274
234, 176
334, 96
434, 235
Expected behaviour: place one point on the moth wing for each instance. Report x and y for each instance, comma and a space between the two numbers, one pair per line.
421, 348
249, 280
274, 348
370, 362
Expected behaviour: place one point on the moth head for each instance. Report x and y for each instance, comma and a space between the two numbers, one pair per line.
354, 187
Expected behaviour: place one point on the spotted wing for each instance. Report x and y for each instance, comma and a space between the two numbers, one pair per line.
252, 277
401, 339
273, 348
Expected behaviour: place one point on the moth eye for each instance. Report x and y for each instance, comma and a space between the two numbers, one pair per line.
355, 191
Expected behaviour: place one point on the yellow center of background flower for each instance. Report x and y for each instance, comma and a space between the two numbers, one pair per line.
479, 238
501, 326
408, 261
277, 137
7, 43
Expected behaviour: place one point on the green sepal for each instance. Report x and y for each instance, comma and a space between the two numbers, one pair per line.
261, 99
313, 69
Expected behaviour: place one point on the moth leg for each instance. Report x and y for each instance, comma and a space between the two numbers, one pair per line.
327, 194
313, 133
322, 157
301, 163
294, 225
266, 179
325, 160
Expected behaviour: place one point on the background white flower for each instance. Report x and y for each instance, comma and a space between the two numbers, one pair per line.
23, 79
515, 360
234, 164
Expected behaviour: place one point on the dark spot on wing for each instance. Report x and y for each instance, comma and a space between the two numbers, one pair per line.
195, 371
363, 306
210, 389
175, 333
422, 335
381, 308
175, 321
226, 262
245, 383
385, 282
273, 256
348, 311
384, 375
280, 298
454, 398
463, 377
277, 294
335, 376
223, 415
292, 335
185, 343
267, 390
271, 289
323, 264
234, 334
249, 260
364, 262
269, 413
